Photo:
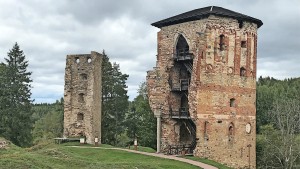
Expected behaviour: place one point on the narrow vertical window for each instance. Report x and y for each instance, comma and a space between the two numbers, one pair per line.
230, 132
232, 102
240, 24
205, 130
222, 42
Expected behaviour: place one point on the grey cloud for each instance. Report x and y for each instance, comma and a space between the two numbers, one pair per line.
47, 31
280, 69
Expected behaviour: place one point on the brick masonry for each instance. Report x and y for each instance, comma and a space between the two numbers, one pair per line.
221, 92
82, 96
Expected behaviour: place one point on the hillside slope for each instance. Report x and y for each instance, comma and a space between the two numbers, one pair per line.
61, 157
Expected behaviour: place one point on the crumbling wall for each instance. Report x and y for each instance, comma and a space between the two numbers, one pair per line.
82, 96
158, 80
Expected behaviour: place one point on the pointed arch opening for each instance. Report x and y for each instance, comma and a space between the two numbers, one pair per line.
182, 49
182, 44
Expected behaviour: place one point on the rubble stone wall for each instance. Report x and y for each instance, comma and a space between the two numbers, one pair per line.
82, 96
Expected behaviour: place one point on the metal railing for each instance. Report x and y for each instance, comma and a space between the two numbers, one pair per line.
188, 147
182, 113
180, 149
183, 54
181, 86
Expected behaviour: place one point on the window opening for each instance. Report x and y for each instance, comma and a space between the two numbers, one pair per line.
242, 71
80, 117
205, 130
222, 42
77, 60
182, 47
80, 97
83, 76
232, 102
240, 24
243, 44
89, 60
230, 132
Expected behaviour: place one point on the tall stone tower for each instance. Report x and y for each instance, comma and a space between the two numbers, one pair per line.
82, 96
203, 88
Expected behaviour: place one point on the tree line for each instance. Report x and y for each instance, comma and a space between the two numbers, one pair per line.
278, 123
123, 120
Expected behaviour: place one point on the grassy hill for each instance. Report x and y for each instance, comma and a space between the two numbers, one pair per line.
62, 156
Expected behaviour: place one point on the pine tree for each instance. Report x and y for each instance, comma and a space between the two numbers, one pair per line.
140, 120
3, 98
18, 122
114, 101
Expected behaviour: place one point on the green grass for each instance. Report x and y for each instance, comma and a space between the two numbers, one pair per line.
207, 161
144, 149
140, 148
86, 145
62, 156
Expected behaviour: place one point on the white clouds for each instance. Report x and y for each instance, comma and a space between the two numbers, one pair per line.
49, 30
278, 68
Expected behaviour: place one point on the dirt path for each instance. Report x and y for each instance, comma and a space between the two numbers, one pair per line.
196, 163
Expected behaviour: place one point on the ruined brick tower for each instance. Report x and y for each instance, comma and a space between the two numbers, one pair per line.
203, 88
82, 97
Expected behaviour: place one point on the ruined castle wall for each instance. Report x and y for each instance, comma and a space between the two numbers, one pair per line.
158, 80
220, 81
82, 96
222, 91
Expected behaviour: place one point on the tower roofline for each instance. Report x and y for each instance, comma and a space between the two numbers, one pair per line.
205, 12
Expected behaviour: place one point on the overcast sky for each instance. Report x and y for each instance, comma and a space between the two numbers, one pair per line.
48, 30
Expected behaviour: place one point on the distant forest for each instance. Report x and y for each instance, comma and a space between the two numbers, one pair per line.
278, 123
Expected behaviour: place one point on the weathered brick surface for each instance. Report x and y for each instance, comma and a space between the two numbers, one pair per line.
215, 79
82, 96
